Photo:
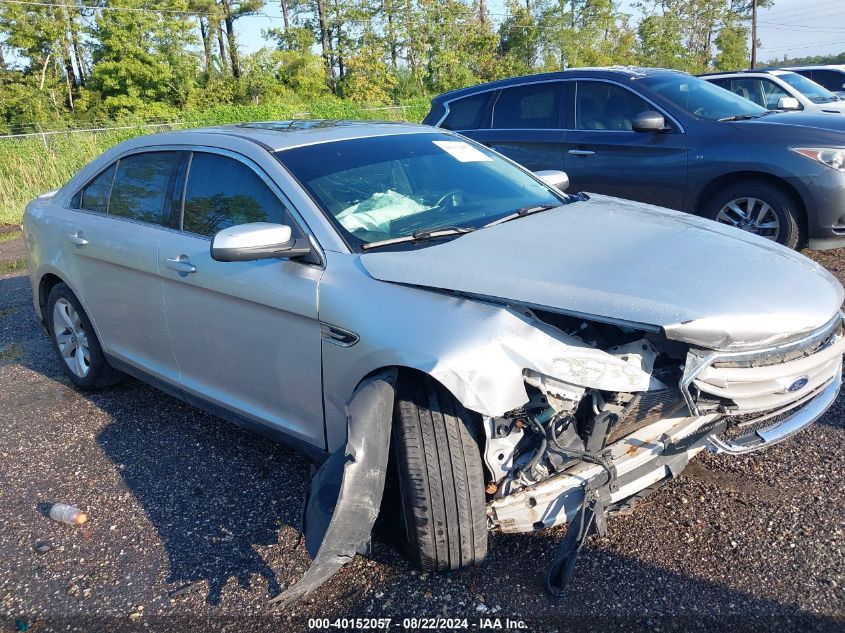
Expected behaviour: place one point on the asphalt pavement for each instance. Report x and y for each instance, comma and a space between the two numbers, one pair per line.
193, 525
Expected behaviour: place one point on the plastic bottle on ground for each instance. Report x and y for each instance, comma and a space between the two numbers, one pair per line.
67, 514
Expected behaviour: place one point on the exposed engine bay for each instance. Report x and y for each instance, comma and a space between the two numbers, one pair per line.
564, 424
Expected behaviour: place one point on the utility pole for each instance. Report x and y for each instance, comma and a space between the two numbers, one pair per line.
753, 34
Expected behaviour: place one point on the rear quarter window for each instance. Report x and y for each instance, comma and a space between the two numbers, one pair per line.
95, 195
467, 113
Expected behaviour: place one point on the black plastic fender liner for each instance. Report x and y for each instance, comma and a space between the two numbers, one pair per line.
345, 493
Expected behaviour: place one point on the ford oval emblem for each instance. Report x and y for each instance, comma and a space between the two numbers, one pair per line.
799, 383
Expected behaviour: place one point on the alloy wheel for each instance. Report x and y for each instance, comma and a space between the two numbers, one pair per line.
71, 338
752, 215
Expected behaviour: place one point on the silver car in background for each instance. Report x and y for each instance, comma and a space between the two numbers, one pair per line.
458, 341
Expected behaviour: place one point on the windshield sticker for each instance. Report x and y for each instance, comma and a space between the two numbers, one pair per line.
464, 152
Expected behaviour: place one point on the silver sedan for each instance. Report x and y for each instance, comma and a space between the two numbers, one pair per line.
461, 344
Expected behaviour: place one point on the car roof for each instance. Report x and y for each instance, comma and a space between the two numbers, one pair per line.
281, 135
746, 71
839, 67
605, 72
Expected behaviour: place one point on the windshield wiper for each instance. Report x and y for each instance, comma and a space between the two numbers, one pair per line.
521, 213
425, 235
740, 117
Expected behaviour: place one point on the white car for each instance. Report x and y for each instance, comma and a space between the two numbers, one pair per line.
831, 76
779, 90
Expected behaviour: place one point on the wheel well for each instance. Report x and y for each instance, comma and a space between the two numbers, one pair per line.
729, 179
46, 284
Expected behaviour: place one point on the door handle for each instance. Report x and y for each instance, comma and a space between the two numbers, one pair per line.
181, 265
77, 239
581, 152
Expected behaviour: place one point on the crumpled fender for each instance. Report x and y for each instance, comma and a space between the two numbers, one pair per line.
345, 494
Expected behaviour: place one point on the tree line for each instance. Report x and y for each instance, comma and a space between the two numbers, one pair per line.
95, 60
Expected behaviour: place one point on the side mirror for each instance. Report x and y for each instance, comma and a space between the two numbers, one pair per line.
554, 178
257, 240
648, 121
789, 103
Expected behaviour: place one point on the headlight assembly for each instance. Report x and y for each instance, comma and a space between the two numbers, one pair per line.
833, 157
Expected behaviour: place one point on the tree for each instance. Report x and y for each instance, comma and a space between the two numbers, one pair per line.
518, 38
46, 38
143, 60
732, 42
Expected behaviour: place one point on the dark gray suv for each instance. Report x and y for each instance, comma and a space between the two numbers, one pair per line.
667, 138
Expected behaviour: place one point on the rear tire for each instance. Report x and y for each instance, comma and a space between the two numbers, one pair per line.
727, 206
437, 456
75, 342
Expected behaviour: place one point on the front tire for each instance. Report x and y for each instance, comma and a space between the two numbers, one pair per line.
758, 207
437, 455
75, 341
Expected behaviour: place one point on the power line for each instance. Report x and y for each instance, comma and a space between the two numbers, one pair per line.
776, 12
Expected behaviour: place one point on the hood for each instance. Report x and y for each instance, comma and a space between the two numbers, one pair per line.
701, 282
833, 106
815, 120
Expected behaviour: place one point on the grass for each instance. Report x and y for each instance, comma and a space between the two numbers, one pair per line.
8, 236
12, 266
28, 168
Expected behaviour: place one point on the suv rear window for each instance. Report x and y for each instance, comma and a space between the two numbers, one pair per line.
466, 113
535, 106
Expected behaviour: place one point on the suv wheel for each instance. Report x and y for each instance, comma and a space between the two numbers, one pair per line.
75, 342
436, 455
757, 207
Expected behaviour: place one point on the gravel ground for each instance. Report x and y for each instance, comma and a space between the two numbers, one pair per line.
193, 524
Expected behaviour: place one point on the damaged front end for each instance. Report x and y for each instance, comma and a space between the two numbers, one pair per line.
572, 454
609, 411
540, 455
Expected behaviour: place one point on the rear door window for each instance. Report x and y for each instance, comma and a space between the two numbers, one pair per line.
95, 196
605, 106
534, 106
142, 186
223, 192
467, 113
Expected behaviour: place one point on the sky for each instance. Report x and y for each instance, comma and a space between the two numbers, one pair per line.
796, 28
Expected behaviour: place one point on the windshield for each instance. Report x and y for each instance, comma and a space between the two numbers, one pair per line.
386, 187
810, 89
701, 98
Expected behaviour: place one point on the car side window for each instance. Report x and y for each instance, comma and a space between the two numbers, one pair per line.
223, 192
772, 93
830, 79
142, 185
534, 106
95, 195
604, 106
466, 113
